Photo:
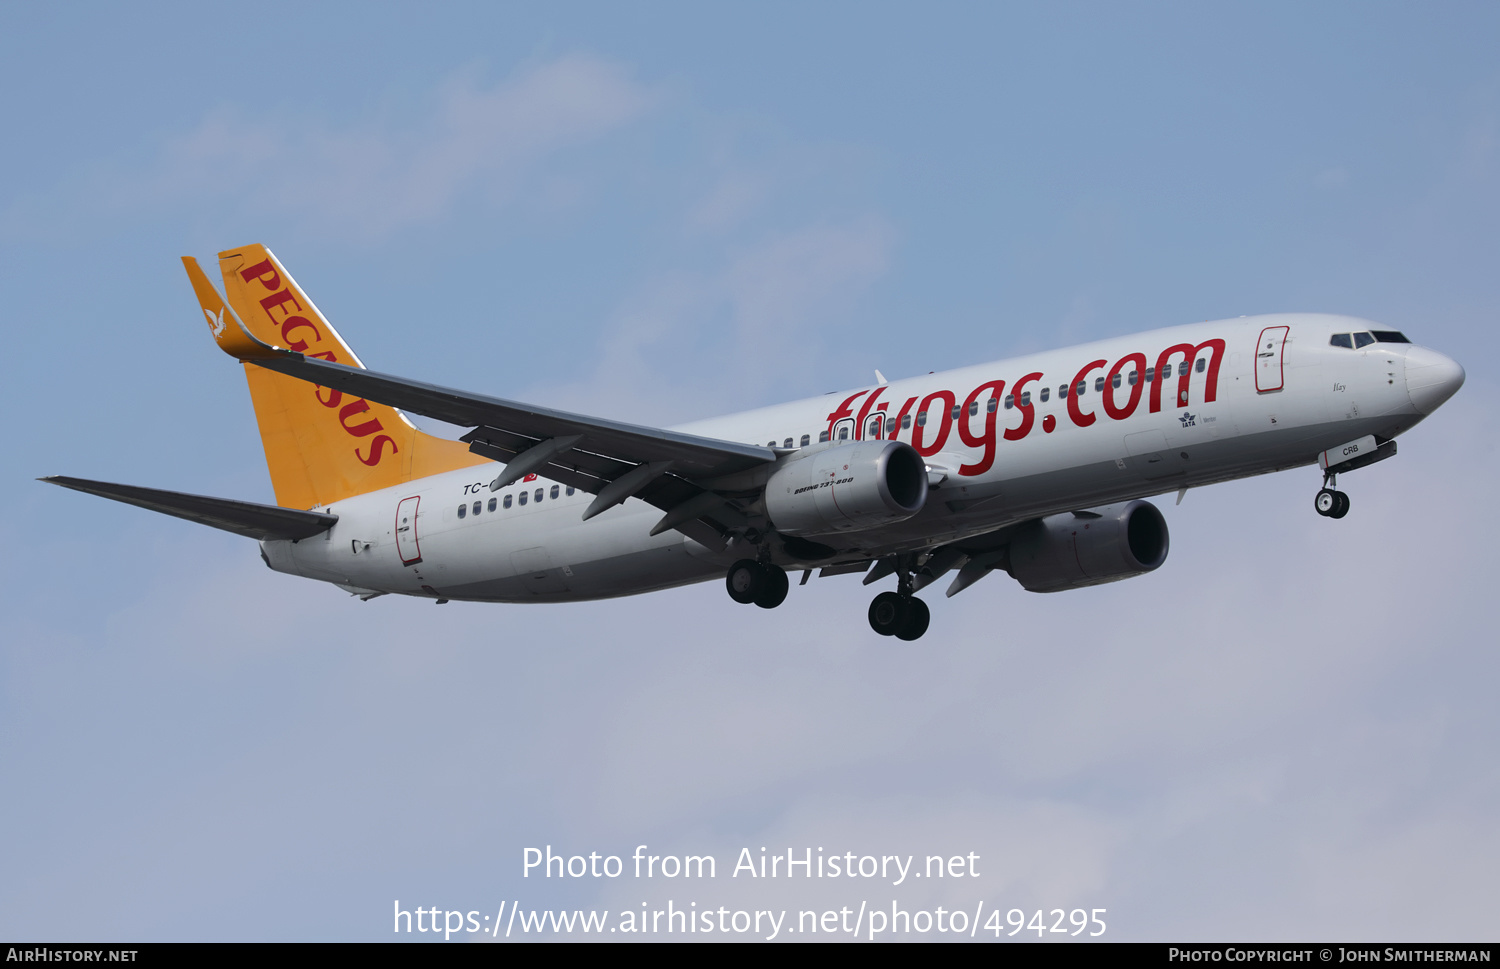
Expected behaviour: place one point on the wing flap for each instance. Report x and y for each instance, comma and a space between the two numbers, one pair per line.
241, 517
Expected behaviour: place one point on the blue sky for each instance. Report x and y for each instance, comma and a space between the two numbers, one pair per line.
664, 212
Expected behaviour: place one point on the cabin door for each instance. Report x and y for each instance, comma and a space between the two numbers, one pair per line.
406, 531
1268, 362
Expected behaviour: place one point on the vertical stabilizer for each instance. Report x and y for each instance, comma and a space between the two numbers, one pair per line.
321, 445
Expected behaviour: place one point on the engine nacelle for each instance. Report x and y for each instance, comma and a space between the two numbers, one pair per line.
1086, 548
847, 487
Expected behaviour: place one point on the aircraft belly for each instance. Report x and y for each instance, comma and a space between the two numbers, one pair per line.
623, 574
555, 556
1047, 491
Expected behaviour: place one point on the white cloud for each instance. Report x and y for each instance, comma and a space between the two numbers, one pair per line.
480, 141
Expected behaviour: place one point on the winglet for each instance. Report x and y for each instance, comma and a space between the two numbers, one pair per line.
233, 339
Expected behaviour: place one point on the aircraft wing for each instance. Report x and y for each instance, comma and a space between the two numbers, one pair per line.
241, 517
512, 427
610, 459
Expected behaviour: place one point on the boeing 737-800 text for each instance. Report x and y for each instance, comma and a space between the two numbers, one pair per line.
1034, 466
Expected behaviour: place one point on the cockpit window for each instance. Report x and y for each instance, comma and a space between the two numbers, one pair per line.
1389, 336
1362, 340
1341, 340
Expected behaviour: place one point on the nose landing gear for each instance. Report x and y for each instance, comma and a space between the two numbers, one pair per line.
1330, 503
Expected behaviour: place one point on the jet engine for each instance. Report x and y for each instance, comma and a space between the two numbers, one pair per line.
1083, 548
847, 487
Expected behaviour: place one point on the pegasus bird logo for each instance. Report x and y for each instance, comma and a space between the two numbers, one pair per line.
215, 323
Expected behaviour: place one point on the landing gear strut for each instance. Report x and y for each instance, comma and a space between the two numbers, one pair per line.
750, 581
900, 613
1330, 503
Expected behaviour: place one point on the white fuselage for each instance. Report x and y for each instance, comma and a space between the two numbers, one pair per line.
1281, 395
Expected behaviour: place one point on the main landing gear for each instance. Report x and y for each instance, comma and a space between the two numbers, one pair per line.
749, 581
1330, 503
900, 613
902, 616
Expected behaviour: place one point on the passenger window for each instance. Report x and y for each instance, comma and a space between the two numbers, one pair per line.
822, 437
569, 492
538, 495
973, 407
1062, 391
1082, 386
770, 444
506, 502
1025, 398
844, 433
957, 411
805, 440
874, 429
492, 503
555, 490
476, 507
906, 422
1362, 340
1010, 401
1341, 340
1046, 392
463, 510
992, 405
1201, 365
787, 443
1115, 381
890, 425
523, 497
1134, 378
1150, 374
1098, 385
921, 418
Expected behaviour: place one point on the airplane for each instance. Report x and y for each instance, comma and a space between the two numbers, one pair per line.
1036, 466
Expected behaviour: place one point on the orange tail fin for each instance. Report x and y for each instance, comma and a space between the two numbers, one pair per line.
321, 446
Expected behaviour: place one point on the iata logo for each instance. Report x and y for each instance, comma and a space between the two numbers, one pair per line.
215, 323
1188, 420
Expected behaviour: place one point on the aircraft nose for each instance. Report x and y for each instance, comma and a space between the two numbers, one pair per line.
1431, 378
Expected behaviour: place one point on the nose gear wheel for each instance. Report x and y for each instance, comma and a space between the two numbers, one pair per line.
1331, 504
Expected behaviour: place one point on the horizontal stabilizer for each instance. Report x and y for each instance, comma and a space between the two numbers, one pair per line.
241, 517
